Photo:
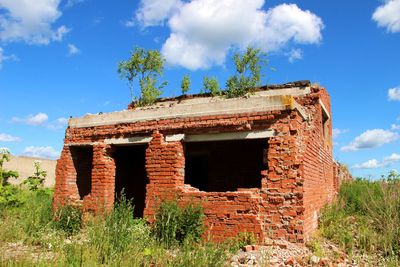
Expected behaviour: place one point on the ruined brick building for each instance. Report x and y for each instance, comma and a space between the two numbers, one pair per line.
261, 163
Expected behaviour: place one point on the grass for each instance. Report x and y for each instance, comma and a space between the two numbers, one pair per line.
366, 219
113, 239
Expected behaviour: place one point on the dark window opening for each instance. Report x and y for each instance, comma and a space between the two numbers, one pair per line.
219, 166
130, 175
325, 129
83, 162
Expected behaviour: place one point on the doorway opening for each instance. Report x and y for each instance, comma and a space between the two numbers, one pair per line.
130, 175
82, 157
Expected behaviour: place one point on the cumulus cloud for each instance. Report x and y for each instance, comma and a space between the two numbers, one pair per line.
375, 164
388, 15
395, 127
47, 152
369, 164
371, 139
155, 12
295, 54
30, 21
38, 119
73, 50
394, 94
4, 57
204, 31
336, 132
9, 138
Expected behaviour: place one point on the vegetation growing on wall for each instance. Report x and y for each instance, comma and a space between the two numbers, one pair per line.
145, 67
185, 84
248, 72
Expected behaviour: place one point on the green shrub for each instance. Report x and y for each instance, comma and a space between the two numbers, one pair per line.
10, 196
248, 72
68, 218
36, 181
174, 224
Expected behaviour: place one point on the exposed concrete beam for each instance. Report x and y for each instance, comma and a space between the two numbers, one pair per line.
174, 137
302, 112
324, 109
229, 136
204, 106
128, 141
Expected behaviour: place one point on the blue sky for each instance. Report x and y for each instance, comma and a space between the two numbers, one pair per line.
59, 59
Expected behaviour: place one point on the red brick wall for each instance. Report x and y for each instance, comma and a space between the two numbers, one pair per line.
294, 186
319, 182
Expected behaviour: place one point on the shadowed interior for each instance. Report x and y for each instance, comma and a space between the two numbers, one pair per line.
130, 175
219, 166
83, 163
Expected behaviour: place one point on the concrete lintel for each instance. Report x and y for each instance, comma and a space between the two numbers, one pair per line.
229, 136
302, 112
82, 144
174, 137
324, 109
129, 140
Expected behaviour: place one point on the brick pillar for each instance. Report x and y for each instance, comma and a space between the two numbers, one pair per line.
101, 197
165, 167
282, 185
65, 188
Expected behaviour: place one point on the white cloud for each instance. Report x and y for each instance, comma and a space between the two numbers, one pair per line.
371, 139
336, 132
394, 94
58, 123
375, 164
155, 12
30, 21
73, 50
395, 127
42, 119
4, 57
130, 23
370, 164
38, 119
71, 3
295, 54
41, 152
204, 31
388, 15
9, 138
392, 158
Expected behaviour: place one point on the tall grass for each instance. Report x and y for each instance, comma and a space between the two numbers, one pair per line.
112, 239
174, 224
366, 217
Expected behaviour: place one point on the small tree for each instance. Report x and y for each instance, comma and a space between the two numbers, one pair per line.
211, 86
5, 175
185, 84
35, 181
146, 66
248, 72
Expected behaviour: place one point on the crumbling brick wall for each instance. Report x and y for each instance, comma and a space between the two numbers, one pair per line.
296, 182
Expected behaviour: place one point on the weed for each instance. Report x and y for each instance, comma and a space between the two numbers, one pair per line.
68, 218
366, 217
173, 224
